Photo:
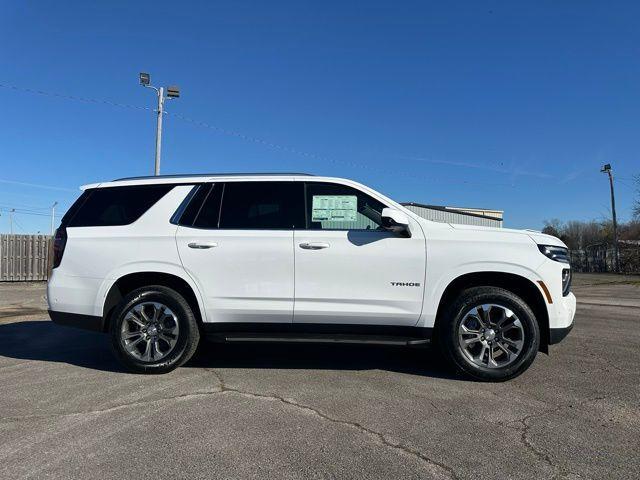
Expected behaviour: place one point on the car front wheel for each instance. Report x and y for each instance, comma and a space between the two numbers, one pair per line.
490, 334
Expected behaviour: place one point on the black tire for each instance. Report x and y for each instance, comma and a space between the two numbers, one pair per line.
187, 337
448, 329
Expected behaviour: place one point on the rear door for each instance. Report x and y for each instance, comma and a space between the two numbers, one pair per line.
238, 248
349, 270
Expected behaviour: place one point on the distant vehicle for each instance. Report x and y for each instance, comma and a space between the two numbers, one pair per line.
159, 262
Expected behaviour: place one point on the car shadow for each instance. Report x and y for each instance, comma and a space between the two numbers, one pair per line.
43, 340
365, 237
48, 342
422, 361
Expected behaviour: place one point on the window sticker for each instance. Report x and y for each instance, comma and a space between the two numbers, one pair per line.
334, 208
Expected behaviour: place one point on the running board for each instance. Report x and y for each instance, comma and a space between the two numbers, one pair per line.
319, 338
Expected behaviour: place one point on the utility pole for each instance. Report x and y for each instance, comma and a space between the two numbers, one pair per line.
159, 130
172, 92
53, 216
11, 220
616, 264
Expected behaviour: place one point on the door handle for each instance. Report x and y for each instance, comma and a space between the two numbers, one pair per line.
202, 246
314, 245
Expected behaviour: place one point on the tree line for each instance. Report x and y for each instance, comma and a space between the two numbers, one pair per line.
580, 235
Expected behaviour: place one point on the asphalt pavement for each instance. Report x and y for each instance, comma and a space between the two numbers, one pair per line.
280, 411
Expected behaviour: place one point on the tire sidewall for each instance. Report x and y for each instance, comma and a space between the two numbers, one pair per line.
484, 295
188, 332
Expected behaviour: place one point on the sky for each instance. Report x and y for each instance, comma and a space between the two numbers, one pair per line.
504, 105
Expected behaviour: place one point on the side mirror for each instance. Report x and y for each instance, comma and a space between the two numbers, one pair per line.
395, 221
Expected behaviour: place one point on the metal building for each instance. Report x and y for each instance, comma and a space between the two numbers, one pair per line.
464, 216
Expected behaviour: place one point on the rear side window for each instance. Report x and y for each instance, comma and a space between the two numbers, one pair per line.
209, 213
262, 205
111, 206
193, 205
77, 205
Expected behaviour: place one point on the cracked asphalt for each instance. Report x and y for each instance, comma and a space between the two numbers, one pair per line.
298, 411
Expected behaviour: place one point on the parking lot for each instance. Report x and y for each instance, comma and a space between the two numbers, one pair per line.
280, 411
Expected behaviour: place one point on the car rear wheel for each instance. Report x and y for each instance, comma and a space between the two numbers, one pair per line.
154, 330
490, 334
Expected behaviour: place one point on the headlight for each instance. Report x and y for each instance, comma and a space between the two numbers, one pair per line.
559, 254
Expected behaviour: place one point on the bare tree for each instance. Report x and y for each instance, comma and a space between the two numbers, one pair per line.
630, 230
553, 227
579, 234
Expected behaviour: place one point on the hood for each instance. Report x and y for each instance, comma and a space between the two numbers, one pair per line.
538, 237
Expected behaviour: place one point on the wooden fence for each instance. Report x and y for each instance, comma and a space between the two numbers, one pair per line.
24, 258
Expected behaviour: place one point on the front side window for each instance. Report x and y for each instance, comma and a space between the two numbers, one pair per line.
331, 206
262, 206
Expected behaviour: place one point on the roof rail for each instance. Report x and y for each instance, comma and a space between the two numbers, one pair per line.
236, 174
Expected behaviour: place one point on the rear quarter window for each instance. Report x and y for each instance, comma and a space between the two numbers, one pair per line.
111, 206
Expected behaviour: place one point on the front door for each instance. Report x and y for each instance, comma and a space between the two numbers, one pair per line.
238, 248
349, 270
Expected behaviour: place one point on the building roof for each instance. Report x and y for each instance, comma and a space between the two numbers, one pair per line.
477, 210
458, 210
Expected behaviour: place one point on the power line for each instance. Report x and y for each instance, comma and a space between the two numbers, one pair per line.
37, 185
74, 97
22, 205
18, 208
181, 117
256, 140
625, 184
25, 212
323, 158
18, 224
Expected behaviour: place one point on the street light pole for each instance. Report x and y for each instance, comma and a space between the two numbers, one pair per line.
11, 220
172, 92
607, 169
159, 129
53, 217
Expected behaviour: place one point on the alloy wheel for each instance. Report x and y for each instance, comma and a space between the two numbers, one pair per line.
491, 336
149, 331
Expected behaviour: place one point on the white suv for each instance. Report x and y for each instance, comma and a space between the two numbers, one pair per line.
159, 262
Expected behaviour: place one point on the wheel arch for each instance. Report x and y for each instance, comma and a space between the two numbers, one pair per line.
517, 284
131, 281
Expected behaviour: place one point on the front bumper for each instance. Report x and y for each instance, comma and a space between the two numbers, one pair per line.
556, 335
563, 320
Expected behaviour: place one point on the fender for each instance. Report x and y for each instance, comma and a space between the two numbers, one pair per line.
435, 287
137, 267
